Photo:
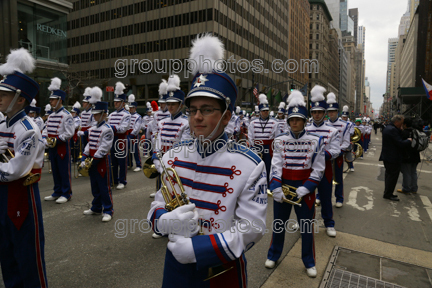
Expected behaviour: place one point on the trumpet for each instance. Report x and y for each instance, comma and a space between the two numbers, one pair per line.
51, 142
290, 195
149, 169
84, 170
30, 178
174, 199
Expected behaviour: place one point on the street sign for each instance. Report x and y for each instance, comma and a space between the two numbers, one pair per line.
109, 89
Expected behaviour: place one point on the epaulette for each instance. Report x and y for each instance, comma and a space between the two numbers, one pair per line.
243, 150
26, 123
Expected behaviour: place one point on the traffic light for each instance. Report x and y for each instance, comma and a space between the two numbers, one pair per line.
292, 87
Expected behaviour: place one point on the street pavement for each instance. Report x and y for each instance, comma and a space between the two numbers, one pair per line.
83, 251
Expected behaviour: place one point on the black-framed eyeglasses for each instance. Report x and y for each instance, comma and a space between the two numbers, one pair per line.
204, 111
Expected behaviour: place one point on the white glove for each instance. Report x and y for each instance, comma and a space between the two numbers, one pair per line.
45, 143
3, 146
181, 221
82, 164
80, 133
182, 249
302, 191
278, 195
158, 166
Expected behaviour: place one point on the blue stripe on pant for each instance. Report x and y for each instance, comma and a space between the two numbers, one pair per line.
339, 193
325, 191
101, 186
282, 211
119, 154
61, 169
21, 236
134, 151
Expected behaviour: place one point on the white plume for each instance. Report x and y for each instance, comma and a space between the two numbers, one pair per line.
173, 83
281, 105
87, 91
271, 113
256, 108
55, 84
77, 105
33, 103
262, 99
18, 60
317, 93
148, 104
238, 109
345, 108
131, 98
119, 87
367, 119
244, 112
297, 99
127, 107
163, 87
331, 98
206, 48
96, 95
47, 107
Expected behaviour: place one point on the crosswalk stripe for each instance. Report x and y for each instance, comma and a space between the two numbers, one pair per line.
428, 205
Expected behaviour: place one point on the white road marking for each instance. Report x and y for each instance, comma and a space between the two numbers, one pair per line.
396, 213
376, 138
428, 205
413, 213
353, 198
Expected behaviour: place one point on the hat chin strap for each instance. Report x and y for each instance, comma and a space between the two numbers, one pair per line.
14, 100
58, 101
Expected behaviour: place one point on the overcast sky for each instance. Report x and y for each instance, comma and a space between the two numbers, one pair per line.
381, 19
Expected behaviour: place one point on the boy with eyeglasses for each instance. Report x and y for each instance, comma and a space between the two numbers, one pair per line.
224, 181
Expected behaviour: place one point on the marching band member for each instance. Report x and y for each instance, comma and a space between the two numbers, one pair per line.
233, 126
244, 124
331, 152
87, 119
204, 171
256, 114
272, 114
33, 112
282, 123
344, 140
98, 148
48, 111
75, 112
300, 168
59, 128
368, 130
133, 133
261, 133
119, 121
173, 129
22, 237
345, 117
359, 125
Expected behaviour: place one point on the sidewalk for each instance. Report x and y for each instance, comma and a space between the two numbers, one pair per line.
291, 273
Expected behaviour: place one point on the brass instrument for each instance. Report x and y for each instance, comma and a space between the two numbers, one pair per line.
149, 169
290, 195
354, 155
51, 142
84, 171
172, 199
356, 136
30, 178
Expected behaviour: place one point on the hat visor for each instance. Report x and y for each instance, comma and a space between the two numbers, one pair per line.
97, 111
54, 97
265, 108
317, 109
203, 94
118, 100
173, 100
2, 88
332, 109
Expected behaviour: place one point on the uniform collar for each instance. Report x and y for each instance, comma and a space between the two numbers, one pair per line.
333, 121
18, 116
266, 119
62, 108
88, 109
118, 111
317, 125
299, 136
213, 146
176, 116
100, 124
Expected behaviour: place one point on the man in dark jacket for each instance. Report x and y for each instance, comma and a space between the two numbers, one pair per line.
392, 149
410, 160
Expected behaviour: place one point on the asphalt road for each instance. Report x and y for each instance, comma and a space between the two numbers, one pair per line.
82, 251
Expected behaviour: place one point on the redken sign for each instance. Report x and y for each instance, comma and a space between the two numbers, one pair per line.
51, 30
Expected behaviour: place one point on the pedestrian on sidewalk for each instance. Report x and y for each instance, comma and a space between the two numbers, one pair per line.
410, 160
392, 149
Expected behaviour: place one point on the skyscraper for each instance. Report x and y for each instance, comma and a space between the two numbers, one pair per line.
343, 10
334, 8
361, 36
391, 52
353, 13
